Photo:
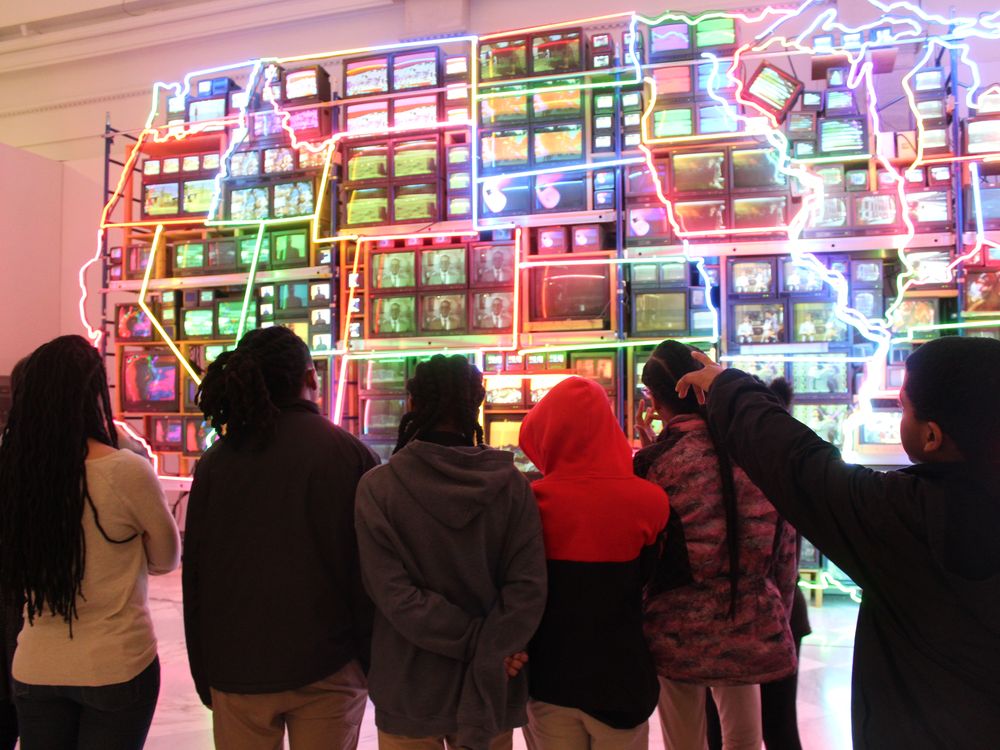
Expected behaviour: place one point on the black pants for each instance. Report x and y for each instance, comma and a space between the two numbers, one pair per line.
8, 725
111, 717
779, 718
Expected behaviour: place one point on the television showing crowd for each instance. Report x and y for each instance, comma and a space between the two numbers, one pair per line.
463, 600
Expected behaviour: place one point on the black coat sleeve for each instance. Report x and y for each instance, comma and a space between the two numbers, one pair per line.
196, 507
851, 513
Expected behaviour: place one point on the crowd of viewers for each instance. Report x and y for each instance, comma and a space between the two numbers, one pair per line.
465, 601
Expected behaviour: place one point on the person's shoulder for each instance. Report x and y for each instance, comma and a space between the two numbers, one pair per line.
125, 472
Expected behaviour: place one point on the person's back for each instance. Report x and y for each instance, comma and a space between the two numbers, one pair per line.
452, 554
591, 675
275, 614
921, 542
83, 523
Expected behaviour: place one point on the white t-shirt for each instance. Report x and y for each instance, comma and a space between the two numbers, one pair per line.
113, 639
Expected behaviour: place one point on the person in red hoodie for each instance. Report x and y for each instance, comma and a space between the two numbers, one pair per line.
591, 679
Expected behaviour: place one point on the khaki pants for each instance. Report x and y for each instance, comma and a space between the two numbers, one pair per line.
682, 716
323, 716
559, 728
386, 741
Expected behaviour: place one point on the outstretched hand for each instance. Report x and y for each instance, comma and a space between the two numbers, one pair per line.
644, 416
514, 664
701, 380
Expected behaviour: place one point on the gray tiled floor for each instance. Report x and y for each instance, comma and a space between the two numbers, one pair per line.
181, 723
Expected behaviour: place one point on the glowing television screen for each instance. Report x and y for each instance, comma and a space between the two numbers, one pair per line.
368, 76
414, 70
773, 90
558, 52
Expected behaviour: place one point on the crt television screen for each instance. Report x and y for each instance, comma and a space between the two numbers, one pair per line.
570, 292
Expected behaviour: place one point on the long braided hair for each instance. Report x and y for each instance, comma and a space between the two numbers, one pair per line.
444, 391
243, 389
670, 361
60, 400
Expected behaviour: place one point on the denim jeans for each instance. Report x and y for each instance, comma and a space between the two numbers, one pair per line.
110, 717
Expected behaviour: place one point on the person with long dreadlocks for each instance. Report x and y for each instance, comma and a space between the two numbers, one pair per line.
278, 626
82, 524
452, 554
716, 612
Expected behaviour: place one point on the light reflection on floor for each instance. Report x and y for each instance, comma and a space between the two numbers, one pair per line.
824, 682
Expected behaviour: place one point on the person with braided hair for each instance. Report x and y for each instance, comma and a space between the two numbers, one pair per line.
452, 555
716, 612
82, 524
277, 623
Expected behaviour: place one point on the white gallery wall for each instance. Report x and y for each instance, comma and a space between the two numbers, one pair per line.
59, 84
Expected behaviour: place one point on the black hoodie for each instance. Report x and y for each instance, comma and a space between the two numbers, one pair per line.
452, 555
922, 543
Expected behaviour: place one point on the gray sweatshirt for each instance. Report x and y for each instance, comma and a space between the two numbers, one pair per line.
452, 555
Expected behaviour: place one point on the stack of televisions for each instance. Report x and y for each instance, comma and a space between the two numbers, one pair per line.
400, 180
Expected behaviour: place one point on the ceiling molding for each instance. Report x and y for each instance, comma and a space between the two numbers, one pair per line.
173, 26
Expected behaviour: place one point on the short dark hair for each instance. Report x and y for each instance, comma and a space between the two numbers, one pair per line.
955, 381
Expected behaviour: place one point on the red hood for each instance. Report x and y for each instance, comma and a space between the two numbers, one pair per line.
573, 431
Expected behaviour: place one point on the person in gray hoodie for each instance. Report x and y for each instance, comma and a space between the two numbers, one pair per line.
452, 554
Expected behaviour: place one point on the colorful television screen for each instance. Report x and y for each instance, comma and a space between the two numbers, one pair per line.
716, 118
228, 318
800, 278
881, 428
415, 111
751, 277
132, 324
368, 76
672, 81
198, 196
702, 217
506, 195
840, 102
820, 379
757, 168
415, 158
150, 380
648, 223
558, 191
497, 110
552, 105
278, 160
700, 172
244, 164
442, 314
983, 136
929, 80
414, 70
929, 206
189, 256
758, 322
554, 143
291, 248
202, 110
161, 199
660, 313
507, 58
249, 204
304, 121
570, 293
393, 316
842, 136
368, 117
191, 163
669, 39
715, 32
801, 123
982, 292
505, 148
817, 321
301, 84
773, 89
915, 312
293, 296
764, 212
673, 122
166, 433
198, 323
383, 415
876, 210
368, 163
557, 52
931, 267
293, 199
444, 267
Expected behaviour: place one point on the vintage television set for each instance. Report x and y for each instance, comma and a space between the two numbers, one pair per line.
647, 224
802, 278
557, 143
198, 323
504, 392
418, 202
189, 258
916, 312
505, 149
504, 196
503, 58
249, 203
227, 318
208, 110
165, 434
416, 69
674, 121
639, 180
811, 101
149, 380
881, 429
716, 34
876, 212
931, 268
551, 240
857, 179
715, 119
756, 169
773, 90
760, 212
751, 277
929, 209
843, 136
601, 51
587, 238
982, 135
935, 140
702, 217
305, 84
556, 52
801, 125
443, 313
366, 206
815, 321
702, 172
367, 117
508, 106
839, 102
660, 312
825, 419
392, 269
290, 199
161, 199
503, 431
929, 83
670, 40
757, 321
381, 415
132, 323
366, 76
384, 375
673, 81
814, 380
291, 300
443, 267
416, 157
570, 297
982, 293
367, 162
246, 247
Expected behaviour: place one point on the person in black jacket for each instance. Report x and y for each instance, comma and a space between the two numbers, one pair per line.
921, 542
277, 622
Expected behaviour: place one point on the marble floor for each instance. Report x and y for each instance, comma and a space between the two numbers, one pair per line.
181, 723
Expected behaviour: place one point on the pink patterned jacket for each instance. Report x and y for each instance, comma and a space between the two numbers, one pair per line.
688, 625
